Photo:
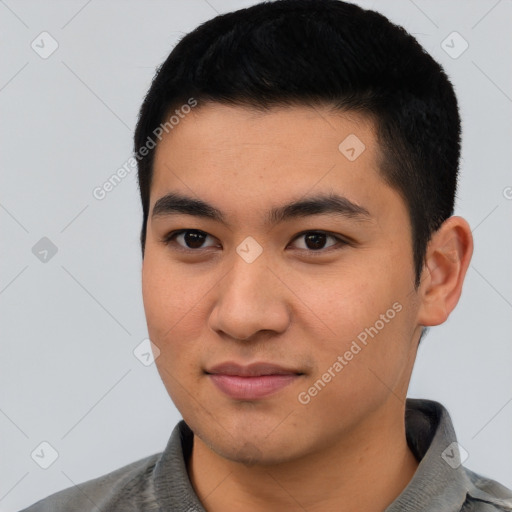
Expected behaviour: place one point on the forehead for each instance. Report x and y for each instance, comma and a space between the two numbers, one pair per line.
302, 128
243, 157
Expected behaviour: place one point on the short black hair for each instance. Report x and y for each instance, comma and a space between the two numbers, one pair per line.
330, 53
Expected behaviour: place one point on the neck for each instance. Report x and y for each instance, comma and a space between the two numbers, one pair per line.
366, 470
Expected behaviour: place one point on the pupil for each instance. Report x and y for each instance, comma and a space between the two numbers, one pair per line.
315, 240
194, 239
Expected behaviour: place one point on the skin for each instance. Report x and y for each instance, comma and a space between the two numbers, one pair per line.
290, 307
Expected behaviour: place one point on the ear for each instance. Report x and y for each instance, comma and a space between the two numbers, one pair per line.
447, 260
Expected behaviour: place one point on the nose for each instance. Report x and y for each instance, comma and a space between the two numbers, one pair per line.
249, 299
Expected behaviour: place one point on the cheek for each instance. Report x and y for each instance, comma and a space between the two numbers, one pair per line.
171, 304
369, 360
173, 326
346, 302
370, 318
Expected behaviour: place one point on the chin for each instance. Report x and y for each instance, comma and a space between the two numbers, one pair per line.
249, 449
250, 455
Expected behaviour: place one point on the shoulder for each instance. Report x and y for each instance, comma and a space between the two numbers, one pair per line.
486, 495
129, 488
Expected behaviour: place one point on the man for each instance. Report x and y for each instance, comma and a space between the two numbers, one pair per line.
297, 167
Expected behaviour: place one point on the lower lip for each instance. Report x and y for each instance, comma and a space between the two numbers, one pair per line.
251, 388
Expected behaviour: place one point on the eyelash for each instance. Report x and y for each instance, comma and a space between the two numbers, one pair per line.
341, 242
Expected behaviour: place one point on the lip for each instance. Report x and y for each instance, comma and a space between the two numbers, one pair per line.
251, 382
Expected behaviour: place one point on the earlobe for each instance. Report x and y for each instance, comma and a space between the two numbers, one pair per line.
447, 260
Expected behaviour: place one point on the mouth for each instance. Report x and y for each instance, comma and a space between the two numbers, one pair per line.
251, 382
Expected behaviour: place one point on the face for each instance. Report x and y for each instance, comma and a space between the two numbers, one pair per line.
278, 280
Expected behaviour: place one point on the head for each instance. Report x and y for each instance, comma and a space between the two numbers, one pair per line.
284, 118
332, 53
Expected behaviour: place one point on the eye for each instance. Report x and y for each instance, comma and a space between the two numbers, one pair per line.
189, 239
312, 241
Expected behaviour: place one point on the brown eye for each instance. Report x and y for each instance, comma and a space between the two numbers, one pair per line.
316, 241
194, 239
189, 239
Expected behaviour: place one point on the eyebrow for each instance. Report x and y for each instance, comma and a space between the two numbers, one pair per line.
175, 204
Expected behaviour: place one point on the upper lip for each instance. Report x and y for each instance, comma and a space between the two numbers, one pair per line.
251, 370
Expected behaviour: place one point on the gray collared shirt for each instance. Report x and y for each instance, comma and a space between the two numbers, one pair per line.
160, 482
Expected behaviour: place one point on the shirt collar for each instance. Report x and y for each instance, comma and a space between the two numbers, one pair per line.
439, 484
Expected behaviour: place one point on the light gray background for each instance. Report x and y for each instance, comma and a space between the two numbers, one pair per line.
69, 326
